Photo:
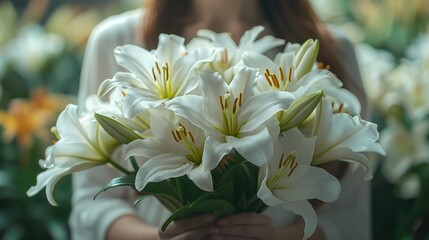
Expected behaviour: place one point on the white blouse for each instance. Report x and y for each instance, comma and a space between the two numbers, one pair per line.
347, 218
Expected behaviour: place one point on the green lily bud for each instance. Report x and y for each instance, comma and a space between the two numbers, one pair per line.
299, 111
116, 129
306, 57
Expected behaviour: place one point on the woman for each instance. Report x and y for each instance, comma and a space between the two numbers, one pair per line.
112, 215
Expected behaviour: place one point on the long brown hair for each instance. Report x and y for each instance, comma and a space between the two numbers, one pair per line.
292, 20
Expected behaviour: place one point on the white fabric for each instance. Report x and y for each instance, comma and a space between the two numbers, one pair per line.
347, 218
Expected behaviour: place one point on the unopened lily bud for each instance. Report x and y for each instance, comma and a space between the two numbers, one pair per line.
299, 111
306, 57
119, 131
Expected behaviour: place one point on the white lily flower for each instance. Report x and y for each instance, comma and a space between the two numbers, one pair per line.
291, 71
83, 144
232, 53
33, 48
156, 76
290, 180
344, 137
233, 116
176, 149
405, 147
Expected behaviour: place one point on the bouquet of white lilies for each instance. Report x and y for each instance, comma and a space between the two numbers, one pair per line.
215, 127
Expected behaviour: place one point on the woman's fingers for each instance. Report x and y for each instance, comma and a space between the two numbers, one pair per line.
246, 218
245, 226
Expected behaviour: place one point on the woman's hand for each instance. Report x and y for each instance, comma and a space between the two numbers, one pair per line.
200, 227
245, 226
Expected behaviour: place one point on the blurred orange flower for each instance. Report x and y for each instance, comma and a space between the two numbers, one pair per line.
26, 118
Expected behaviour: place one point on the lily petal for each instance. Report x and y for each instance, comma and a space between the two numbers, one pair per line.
162, 167
255, 147
306, 211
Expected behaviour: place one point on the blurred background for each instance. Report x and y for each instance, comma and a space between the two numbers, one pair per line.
41, 49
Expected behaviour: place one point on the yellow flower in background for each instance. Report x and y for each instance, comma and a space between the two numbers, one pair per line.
43, 100
21, 121
26, 118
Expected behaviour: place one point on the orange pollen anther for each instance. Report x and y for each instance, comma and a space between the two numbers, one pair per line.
275, 81
292, 168
221, 102
281, 161
179, 135
166, 71
267, 77
289, 77
153, 74
174, 136
340, 108
184, 129
158, 68
192, 137
282, 76
234, 108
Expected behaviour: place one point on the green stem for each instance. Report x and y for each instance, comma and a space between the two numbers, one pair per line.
253, 199
260, 205
134, 163
119, 167
179, 190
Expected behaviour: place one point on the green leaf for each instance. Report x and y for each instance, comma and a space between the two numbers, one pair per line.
225, 192
116, 129
127, 180
168, 201
242, 203
165, 187
218, 207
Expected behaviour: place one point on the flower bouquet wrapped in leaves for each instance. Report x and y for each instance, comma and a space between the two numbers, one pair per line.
215, 127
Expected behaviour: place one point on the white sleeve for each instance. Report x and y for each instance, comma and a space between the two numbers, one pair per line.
350, 216
90, 219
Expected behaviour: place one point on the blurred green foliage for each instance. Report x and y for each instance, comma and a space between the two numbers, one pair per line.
40, 61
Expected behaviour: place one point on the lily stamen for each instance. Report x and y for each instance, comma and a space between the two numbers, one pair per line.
340, 108
153, 74
179, 135
230, 114
186, 139
282, 77
285, 169
267, 77
158, 68
192, 137
174, 136
221, 103
289, 78
234, 108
